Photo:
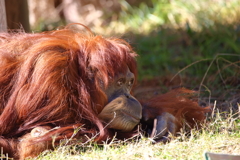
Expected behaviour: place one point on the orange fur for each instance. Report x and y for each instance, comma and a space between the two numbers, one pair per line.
181, 103
56, 79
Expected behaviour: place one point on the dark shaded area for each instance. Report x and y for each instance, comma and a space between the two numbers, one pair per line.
17, 14
206, 61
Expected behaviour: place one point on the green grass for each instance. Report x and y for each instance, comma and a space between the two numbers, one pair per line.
168, 51
220, 134
170, 35
193, 15
197, 43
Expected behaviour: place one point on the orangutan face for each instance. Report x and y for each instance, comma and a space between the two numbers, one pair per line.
123, 111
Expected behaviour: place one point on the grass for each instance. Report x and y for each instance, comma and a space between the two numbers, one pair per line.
199, 42
220, 134
170, 52
170, 35
193, 15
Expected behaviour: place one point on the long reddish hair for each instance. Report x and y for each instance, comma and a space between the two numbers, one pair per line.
56, 78
181, 103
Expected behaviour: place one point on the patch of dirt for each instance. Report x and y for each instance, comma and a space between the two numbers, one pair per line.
226, 100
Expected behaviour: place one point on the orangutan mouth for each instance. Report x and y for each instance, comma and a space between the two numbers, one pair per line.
134, 118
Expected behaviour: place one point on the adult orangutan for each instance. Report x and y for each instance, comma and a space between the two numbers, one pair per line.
54, 83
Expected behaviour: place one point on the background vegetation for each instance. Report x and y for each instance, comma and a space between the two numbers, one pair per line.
195, 44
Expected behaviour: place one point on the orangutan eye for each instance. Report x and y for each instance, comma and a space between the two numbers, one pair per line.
121, 81
130, 83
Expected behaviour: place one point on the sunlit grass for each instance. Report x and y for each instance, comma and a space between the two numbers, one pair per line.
194, 15
170, 35
220, 134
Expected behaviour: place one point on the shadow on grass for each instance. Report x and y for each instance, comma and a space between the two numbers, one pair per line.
208, 61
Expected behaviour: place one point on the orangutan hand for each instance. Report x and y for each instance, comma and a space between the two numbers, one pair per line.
161, 127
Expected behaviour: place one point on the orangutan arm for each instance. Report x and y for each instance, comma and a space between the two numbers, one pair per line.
165, 114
